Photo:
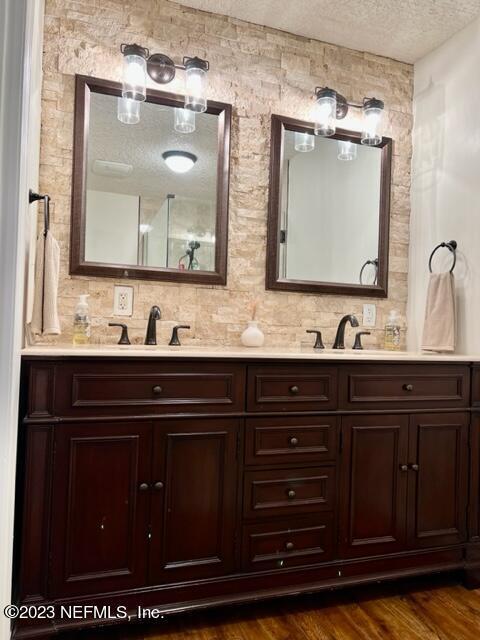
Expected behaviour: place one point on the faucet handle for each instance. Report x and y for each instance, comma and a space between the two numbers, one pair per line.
358, 339
318, 340
124, 336
174, 340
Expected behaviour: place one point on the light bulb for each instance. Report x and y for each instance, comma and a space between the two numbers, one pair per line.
196, 84
304, 142
134, 72
128, 111
372, 118
325, 113
184, 120
179, 161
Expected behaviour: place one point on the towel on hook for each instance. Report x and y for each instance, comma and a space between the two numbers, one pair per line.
439, 324
47, 266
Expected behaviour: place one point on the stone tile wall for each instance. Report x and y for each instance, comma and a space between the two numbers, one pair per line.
259, 71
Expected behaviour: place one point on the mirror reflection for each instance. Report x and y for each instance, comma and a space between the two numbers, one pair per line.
151, 185
329, 210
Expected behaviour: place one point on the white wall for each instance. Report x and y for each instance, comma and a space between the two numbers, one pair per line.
21, 28
446, 179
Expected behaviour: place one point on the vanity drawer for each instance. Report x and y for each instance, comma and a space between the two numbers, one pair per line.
288, 543
420, 386
278, 492
292, 388
285, 439
148, 387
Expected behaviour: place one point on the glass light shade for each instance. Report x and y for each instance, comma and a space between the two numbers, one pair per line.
184, 120
128, 111
134, 77
325, 113
179, 161
196, 87
347, 150
304, 142
372, 119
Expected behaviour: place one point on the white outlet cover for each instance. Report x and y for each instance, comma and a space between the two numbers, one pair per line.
122, 301
369, 315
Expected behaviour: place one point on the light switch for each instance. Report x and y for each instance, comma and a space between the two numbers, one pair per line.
369, 315
122, 301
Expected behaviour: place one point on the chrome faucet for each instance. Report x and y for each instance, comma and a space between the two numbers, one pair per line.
155, 314
340, 337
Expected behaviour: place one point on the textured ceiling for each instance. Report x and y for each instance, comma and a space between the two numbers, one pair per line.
405, 30
141, 145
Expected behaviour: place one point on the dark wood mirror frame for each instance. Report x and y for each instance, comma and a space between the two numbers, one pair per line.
279, 125
84, 86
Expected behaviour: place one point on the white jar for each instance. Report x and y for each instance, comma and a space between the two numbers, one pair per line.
253, 335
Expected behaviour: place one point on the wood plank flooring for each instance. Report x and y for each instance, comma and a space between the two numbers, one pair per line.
421, 609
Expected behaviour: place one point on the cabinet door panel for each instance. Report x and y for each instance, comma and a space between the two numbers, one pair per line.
373, 511
193, 515
437, 479
99, 513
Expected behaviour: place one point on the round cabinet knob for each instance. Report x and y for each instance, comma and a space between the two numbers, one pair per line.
294, 390
404, 467
414, 467
143, 486
289, 546
293, 441
157, 390
408, 387
280, 563
291, 494
158, 486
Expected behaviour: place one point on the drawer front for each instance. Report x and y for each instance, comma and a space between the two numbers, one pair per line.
146, 388
278, 492
430, 386
288, 543
292, 388
284, 439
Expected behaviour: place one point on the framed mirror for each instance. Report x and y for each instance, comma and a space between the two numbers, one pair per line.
150, 186
329, 211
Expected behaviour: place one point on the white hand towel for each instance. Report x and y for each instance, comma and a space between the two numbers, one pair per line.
47, 266
439, 325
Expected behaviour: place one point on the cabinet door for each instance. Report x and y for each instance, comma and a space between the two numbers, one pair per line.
437, 494
100, 508
373, 484
193, 499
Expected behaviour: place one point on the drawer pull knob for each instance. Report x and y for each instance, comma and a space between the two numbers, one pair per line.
293, 441
414, 467
158, 486
408, 387
404, 467
294, 390
291, 494
280, 563
157, 390
143, 486
289, 546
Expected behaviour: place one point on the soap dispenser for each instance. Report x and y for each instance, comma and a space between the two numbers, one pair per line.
392, 332
81, 322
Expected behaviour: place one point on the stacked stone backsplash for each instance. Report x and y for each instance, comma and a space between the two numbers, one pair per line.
259, 71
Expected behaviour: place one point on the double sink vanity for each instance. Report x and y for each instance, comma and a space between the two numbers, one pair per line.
181, 478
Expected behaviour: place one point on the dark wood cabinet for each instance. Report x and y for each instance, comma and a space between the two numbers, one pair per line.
101, 475
194, 481
373, 484
173, 484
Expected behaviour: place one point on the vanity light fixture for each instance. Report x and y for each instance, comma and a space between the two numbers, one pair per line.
179, 161
332, 106
161, 69
304, 142
347, 150
184, 120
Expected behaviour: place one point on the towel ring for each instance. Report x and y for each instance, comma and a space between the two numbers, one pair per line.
375, 264
451, 245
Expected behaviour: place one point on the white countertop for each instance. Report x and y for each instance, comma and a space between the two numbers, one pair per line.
263, 353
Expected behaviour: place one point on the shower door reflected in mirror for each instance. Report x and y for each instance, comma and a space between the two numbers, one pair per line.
329, 211
150, 197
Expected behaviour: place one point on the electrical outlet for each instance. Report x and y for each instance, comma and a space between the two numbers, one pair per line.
122, 301
369, 315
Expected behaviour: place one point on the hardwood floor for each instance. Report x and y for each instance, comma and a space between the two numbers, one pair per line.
421, 609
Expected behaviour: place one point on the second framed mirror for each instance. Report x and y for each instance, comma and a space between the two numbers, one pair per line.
329, 210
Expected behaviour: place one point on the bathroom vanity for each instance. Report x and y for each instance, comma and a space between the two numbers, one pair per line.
190, 478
